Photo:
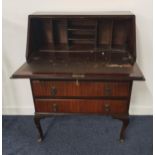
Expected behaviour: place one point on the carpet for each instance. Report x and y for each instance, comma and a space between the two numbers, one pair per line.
77, 135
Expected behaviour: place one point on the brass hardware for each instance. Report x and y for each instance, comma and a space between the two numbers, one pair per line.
54, 107
53, 91
77, 82
78, 75
103, 53
107, 107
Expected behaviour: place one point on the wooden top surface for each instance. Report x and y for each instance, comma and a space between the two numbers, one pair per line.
85, 13
97, 14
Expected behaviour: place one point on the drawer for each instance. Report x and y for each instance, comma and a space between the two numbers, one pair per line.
81, 106
81, 89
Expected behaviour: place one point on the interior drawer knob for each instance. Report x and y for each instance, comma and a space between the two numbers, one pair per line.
107, 107
53, 91
54, 107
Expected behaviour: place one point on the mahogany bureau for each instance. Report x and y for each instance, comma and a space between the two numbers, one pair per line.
81, 64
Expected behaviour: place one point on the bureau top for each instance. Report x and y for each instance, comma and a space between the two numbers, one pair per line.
87, 43
111, 35
84, 13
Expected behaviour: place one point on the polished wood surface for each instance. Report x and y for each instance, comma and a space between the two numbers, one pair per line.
82, 13
102, 33
79, 89
45, 70
81, 106
81, 64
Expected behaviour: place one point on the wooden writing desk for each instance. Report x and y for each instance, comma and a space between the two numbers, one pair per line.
81, 64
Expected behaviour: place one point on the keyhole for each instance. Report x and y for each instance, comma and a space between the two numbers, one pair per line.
77, 82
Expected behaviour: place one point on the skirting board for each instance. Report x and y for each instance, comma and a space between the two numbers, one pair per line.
134, 110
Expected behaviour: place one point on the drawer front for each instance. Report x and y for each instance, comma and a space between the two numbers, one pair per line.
81, 88
81, 106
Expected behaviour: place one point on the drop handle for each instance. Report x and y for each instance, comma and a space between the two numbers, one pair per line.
107, 107
54, 107
53, 91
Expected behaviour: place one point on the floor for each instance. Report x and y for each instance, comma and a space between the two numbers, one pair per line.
77, 135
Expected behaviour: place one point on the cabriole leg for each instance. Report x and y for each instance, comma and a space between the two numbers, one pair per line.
124, 126
125, 121
38, 126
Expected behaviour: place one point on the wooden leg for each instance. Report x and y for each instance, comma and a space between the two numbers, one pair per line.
125, 121
38, 126
124, 126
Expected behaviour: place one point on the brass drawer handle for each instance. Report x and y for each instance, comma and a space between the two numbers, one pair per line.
53, 91
54, 107
107, 107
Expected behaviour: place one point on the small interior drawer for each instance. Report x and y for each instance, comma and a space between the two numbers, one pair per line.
79, 88
81, 106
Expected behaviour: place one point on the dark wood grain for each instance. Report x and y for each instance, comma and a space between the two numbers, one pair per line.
81, 106
80, 88
81, 64
45, 70
55, 33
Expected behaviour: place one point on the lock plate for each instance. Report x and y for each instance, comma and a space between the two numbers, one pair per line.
78, 75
